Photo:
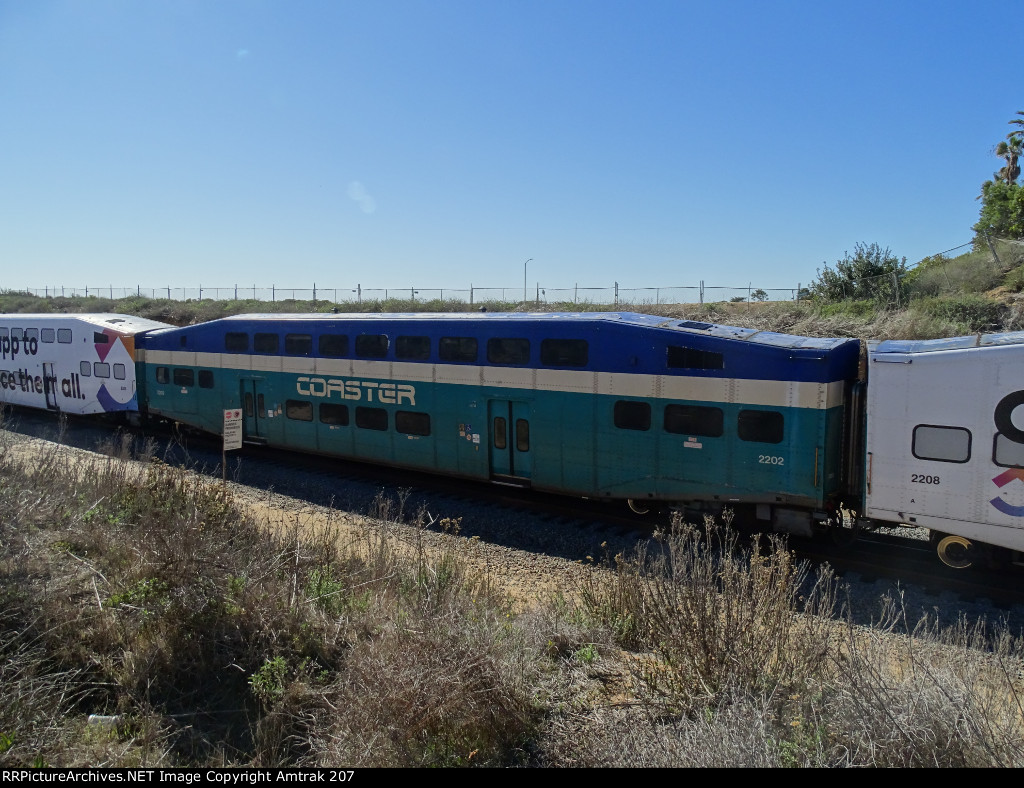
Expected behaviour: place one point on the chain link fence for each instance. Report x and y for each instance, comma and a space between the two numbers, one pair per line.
472, 295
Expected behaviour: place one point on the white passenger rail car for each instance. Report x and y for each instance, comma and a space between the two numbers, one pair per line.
945, 441
77, 364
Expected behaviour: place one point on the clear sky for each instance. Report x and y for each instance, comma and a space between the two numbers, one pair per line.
442, 143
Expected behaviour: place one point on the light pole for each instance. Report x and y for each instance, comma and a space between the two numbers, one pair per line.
524, 280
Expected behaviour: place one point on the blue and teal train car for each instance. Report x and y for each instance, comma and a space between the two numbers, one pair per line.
603, 405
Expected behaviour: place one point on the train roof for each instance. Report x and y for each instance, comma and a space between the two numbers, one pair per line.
619, 318
128, 324
948, 343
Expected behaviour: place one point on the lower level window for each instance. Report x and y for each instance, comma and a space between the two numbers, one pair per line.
333, 414
298, 409
411, 423
372, 418
761, 426
632, 415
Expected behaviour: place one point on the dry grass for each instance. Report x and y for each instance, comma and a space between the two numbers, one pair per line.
213, 637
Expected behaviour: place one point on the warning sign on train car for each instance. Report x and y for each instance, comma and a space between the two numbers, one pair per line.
232, 429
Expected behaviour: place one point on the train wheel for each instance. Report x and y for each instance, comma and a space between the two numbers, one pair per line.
638, 506
955, 551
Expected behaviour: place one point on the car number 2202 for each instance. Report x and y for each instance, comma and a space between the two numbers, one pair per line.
770, 459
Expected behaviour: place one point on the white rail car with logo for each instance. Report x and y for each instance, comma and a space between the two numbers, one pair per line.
80, 364
945, 440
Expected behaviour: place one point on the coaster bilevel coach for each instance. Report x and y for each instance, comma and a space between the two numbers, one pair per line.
790, 433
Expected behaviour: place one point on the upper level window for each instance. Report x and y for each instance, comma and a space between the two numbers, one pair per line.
32, 333
236, 342
691, 358
761, 426
372, 345
205, 379
85, 369
508, 350
47, 335
417, 348
266, 343
119, 372
298, 344
632, 415
101, 369
99, 338
945, 444
184, 376
457, 349
64, 336
333, 345
564, 352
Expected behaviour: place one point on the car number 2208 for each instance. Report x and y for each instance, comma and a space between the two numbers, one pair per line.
920, 478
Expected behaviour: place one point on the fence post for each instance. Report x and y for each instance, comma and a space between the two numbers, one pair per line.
236, 292
702, 292
273, 293
575, 292
471, 294
616, 294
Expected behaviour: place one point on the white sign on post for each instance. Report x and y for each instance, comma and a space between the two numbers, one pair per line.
232, 429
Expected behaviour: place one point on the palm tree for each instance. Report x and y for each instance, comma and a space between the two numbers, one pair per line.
1019, 122
1010, 150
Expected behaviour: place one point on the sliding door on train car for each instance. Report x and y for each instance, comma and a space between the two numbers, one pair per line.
509, 433
254, 411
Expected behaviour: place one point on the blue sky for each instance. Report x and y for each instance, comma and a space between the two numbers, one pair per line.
442, 144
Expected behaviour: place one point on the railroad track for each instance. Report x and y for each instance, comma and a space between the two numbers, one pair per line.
525, 519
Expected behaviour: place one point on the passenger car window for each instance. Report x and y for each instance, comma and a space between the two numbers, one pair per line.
236, 342
694, 420
945, 444
760, 426
691, 358
457, 349
333, 345
411, 423
631, 415
372, 345
508, 350
333, 414
372, 418
298, 344
266, 343
299, 410
417, 348
564, 352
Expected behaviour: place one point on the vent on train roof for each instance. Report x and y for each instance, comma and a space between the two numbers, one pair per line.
696, 325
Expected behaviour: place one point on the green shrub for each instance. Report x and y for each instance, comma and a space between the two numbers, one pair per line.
972, 311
